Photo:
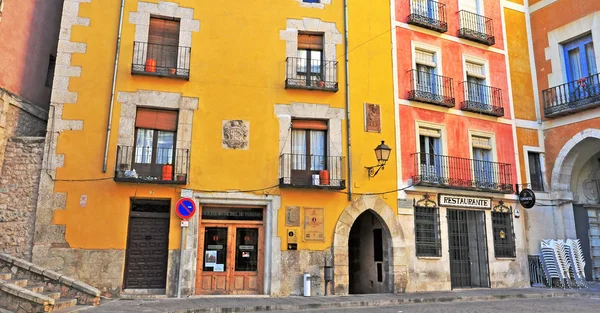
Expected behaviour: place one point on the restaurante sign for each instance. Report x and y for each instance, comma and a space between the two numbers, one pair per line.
465, 201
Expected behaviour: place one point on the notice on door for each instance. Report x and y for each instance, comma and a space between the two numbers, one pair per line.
210, 258
314, 224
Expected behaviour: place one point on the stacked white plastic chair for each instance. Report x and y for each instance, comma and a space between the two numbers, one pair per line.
553, 264
575, 256
561, 254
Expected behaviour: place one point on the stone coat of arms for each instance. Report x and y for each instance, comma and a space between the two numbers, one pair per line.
236, 134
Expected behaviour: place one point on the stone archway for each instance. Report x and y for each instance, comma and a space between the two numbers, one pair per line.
342, 234
566, 158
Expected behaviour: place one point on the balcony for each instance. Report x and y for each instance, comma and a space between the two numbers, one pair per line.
155, 166
311, 171
459, 173
481, 99
572, 97
431, 88
322, 76
428, 14
476, 27
161, 60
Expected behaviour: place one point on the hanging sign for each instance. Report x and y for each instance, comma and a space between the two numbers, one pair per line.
185, 208
527, 198
464, 201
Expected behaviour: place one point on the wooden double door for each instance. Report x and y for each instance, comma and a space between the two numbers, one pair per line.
230, 259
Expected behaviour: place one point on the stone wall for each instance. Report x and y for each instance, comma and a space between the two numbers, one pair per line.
18, 194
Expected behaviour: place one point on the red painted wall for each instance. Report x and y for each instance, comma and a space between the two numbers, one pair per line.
491, 10
457, 136
28, 35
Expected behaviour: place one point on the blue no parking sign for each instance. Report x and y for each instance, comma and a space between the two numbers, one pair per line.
185, 208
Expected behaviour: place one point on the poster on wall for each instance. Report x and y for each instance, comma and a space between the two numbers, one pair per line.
314, 225
210, 258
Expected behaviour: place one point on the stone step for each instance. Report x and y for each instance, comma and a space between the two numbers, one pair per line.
72, 309
64, 303
18, 282
51, 294
5, 276
36, 288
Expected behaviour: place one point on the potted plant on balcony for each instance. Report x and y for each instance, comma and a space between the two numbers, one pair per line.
320, 84
167, 172
172, 71
151, 65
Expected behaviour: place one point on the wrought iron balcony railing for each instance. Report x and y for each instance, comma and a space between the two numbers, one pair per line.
161, 60
461, 173
428, 14
476, 27
482, 99
152, 165
302, 73
572, 97
431, 88
311, 171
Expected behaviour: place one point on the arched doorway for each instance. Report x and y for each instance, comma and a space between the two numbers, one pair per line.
576, 174
397, 258
369, 248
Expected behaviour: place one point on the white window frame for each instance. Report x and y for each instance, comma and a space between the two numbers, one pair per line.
437, 55
439, 127
476, 60
526, 150
320, 5
479, 5
492, 140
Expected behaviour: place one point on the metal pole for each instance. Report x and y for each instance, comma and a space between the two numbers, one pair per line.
183, 230
347, 77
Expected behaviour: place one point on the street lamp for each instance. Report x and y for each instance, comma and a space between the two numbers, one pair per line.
382, 152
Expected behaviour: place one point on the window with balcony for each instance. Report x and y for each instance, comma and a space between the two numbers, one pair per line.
426, 85
473, 25
482, 163
430, 166
535, 171
161, 55
428, 14
154, 157
308, 70
582, 90
308, 164
479, 97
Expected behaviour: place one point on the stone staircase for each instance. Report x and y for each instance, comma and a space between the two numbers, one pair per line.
27, 288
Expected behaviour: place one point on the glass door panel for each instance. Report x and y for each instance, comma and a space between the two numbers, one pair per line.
215, 249
246, 250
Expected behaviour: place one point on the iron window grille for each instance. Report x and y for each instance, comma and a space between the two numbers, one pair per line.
503, 230
479, 98
311, 171
431, 88
476, 27
168, 165
313, 74
572, 97
428, 14
427, 231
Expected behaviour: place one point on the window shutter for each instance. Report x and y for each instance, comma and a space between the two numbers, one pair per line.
429, 132
481, 143
475, 70
310, 41
163, 32
425, 58
156, 119
309, 124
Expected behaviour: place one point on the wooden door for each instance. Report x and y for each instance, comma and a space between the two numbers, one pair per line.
147, 251
230, 259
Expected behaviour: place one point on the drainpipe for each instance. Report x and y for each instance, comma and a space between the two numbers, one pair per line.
114, 85
348, 100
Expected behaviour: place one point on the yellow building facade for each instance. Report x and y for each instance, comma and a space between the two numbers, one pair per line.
242, 107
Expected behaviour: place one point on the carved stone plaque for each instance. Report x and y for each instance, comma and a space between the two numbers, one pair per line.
236, 134
372, 118
314, 224
292, 216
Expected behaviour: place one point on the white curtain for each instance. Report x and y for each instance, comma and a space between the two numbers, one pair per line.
575, 62
317, 150
164, 153
298, 149
591, 58
143, 145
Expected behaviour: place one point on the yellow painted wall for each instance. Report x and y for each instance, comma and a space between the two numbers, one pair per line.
526, 137
237, 72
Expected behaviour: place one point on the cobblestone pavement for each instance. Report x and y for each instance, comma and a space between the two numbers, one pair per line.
579, 305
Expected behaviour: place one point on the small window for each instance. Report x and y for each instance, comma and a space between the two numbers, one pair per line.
155, 135
310, 58
163, 42
476, 83
504, 239
535, 171
426, 79
50, 71
483, 168
427, 231
378, 245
